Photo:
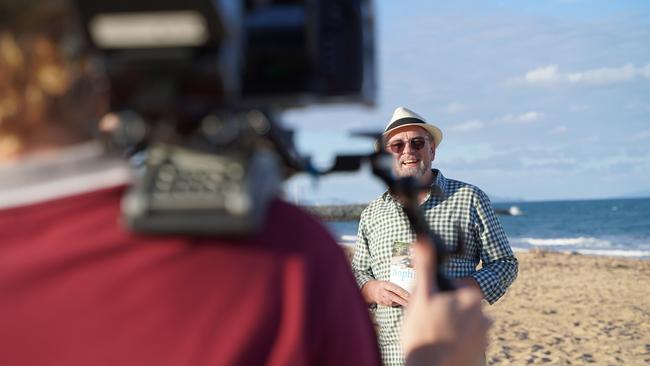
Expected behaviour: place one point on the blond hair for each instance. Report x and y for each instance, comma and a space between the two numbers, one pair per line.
47, 76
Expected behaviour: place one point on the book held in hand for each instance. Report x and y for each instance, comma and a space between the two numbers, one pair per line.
402, 272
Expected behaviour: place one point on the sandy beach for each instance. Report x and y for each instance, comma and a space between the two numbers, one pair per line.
573, 310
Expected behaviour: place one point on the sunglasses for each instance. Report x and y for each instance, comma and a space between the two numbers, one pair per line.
397, 146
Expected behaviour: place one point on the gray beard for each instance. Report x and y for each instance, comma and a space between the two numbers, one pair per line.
415, 172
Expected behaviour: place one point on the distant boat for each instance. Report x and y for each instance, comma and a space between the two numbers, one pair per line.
511, 211
515, 211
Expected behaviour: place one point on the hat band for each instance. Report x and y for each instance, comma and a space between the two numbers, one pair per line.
404, 121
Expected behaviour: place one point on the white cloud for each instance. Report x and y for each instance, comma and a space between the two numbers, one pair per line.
523, 118
531, 116
543, 75
560, 130
605, 75
455, 107
468, 126
551, 75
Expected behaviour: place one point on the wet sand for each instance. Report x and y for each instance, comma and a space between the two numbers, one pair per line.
573, 310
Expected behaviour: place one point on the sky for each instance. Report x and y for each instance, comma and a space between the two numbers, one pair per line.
537, 100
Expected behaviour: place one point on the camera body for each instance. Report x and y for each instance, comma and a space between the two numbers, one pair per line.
181, 59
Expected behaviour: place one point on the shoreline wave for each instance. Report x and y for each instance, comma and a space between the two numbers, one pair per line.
631, 253
580, 240
567, 245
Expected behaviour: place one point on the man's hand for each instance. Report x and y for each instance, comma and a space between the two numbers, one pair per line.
384, 293
442, 328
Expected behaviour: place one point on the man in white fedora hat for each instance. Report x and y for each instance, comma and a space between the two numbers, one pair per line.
453, 209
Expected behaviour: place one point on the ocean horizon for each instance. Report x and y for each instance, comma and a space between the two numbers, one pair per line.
605, 227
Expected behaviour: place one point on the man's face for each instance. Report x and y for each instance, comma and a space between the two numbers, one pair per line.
413, 151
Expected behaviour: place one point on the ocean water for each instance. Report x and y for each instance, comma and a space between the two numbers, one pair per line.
618, 227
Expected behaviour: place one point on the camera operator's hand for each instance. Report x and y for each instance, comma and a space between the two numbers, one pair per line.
384, 293
442, 328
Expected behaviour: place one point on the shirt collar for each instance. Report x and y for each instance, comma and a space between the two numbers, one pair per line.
68, 171
439, 183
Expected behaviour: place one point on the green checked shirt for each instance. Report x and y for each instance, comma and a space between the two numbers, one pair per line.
458, 210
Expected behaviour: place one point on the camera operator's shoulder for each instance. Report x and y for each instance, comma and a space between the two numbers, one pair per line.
297, 227
294, 231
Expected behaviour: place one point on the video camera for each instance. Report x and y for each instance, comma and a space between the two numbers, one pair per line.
183, 59
196, 88
217, 73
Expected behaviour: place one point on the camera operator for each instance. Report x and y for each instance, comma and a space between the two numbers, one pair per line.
77, 288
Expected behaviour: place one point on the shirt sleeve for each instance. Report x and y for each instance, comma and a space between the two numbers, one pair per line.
361, 261
500, 266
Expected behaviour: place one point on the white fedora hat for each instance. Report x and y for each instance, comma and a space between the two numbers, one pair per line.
405, 117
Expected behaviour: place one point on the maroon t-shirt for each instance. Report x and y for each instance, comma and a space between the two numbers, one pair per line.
76, 288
